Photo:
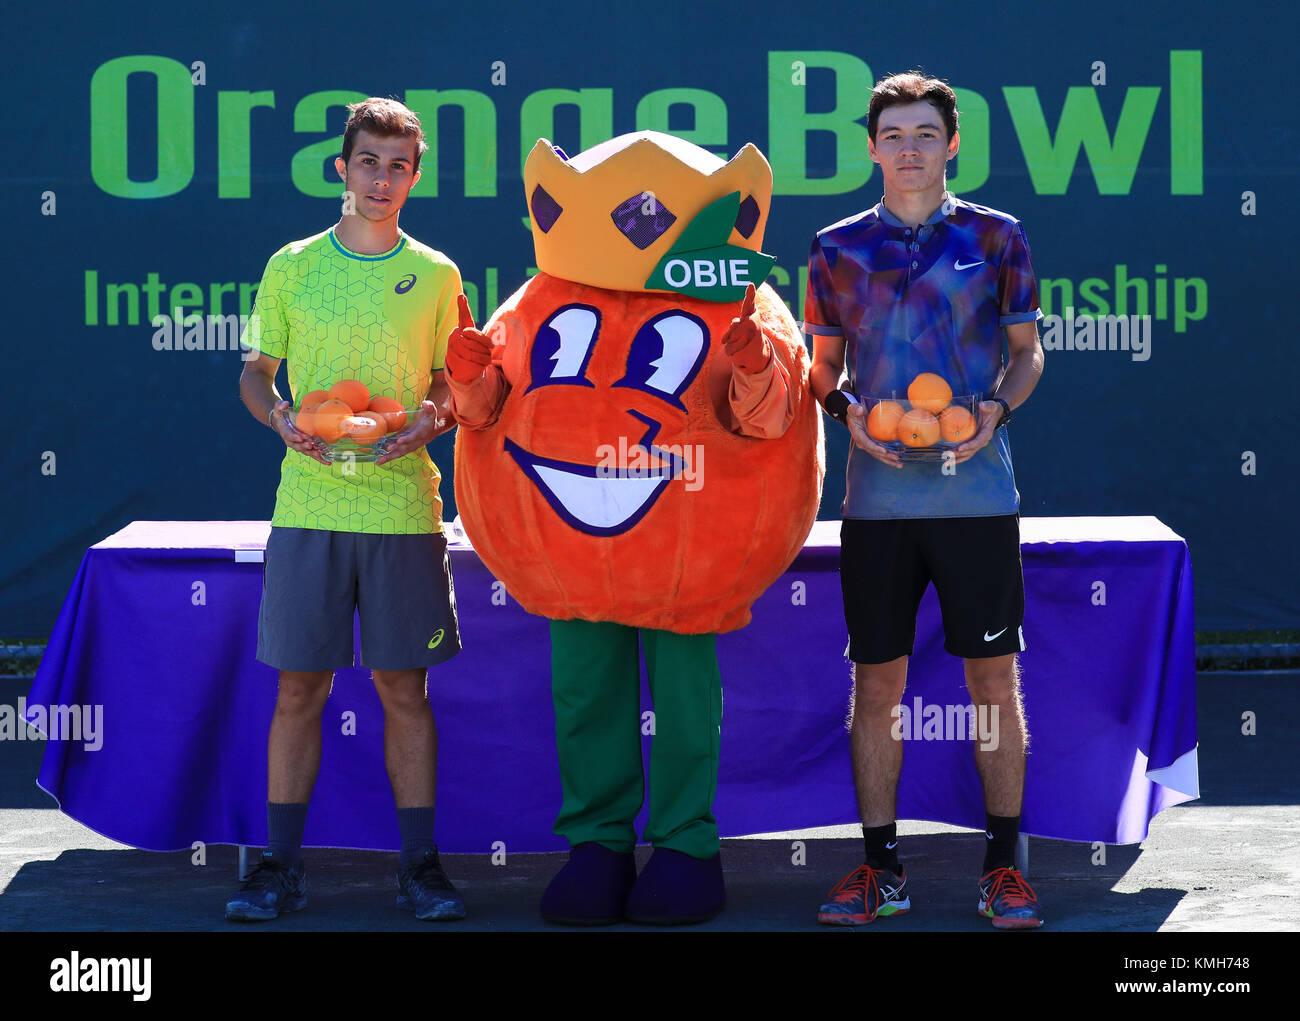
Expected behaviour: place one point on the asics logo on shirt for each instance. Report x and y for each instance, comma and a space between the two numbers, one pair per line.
405, 284
966, 265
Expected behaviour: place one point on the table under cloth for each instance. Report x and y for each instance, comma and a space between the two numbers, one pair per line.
160, 630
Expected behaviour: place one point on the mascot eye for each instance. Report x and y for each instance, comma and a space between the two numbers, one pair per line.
563, 346
666, 355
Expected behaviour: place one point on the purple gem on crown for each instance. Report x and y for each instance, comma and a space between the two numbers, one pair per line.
545, 209
747, 217
643, 219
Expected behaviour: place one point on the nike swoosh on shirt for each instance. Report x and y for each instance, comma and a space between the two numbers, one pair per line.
988, 637
966, 265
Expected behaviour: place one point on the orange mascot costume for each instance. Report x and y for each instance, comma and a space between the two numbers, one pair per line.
639, 457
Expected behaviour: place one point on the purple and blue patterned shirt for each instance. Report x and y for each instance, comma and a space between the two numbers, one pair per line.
909, 300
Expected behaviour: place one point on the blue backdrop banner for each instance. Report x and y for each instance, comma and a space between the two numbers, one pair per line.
161, 157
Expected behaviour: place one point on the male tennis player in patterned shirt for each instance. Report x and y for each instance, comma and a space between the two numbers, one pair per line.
925, 282
362, 301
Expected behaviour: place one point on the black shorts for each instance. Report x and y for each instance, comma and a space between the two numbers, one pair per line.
316, 580
885, 567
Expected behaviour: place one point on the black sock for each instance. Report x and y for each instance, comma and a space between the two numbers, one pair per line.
1000, 835
881, 843
416, 825
284, 826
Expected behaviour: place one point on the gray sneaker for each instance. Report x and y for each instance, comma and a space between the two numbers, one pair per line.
272, 888
425, 889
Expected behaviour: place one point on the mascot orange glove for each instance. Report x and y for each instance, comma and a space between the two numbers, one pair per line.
469, 351
748, 349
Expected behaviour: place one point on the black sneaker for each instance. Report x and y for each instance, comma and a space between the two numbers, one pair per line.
273, 887
425, 889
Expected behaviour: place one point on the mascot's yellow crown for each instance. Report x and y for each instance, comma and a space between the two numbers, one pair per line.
608, 215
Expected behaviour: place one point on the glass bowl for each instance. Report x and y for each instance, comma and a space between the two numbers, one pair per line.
344, 435
932, 430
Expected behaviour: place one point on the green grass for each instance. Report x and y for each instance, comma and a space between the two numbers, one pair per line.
1266, 660
1247, 637
13, 664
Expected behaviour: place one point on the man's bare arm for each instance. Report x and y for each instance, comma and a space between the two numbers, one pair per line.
257, 389
440, 394
827, 368
1024, 370
434, 419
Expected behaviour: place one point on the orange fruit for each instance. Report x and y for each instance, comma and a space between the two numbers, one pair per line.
364, 428
918, 428
956, 424
353, 393
305, 422
329, 419
882, 421
929, 392
392, 411
313, 399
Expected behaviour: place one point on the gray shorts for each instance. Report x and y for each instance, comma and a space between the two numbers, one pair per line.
315, 580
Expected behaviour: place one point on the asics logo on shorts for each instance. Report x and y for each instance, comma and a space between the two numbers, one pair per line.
436, 640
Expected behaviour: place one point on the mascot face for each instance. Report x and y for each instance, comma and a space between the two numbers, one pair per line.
639, 378
614, 485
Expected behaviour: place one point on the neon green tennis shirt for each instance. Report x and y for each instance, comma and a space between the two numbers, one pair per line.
381, 319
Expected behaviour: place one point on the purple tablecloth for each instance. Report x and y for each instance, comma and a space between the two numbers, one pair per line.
160, 629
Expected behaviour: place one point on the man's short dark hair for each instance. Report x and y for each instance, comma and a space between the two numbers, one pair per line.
386, 118
912, 87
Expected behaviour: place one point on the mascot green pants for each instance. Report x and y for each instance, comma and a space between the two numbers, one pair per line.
595, 679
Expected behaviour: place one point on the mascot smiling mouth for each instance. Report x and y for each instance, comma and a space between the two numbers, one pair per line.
597, 499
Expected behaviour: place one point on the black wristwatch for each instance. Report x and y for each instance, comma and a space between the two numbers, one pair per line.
1006, 412
837, 405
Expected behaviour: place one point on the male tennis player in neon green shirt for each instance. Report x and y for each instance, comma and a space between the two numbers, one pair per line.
363, 301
